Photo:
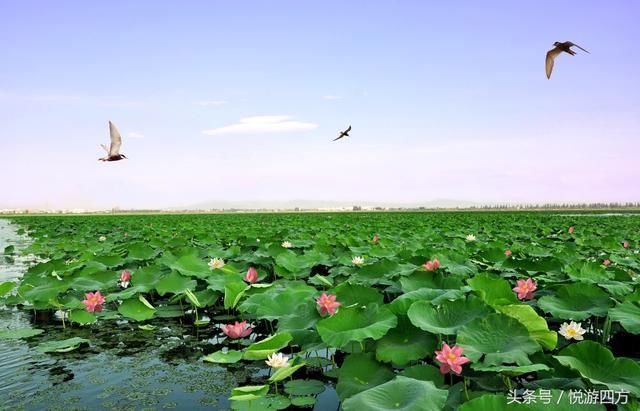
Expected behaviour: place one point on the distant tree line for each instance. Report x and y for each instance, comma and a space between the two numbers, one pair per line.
556, 206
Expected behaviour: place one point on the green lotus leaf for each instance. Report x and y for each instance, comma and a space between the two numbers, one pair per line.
285, 372
597, 364
348, 294
44, 292
61, 346
511, 370
218, 280
191, 266
267, 403
356, 324
303, 401
404, 343
298, 265
249, 393
424, 372
589, 272
549, 400
232, 294
401, 393
175, 283
435, 296
500, 338
136, 309
537, 326
576, 302
304, 387
448, 317
360, 372
627, 314
6, 287
224, 357
429, 279
493, 290
108, 261
16, 333
140, 251
95, 281
264, 348
169, 311
82, 317
282, 304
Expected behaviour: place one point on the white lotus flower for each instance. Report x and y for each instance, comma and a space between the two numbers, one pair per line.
278, 360
286, 244
54, 274
471, 237
358, 260
216, 263
102, 238
572, 330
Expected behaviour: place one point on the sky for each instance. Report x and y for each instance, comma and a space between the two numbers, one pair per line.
240, 101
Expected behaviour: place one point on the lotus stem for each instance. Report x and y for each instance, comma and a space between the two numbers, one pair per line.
606, 330
466, 393
507, 382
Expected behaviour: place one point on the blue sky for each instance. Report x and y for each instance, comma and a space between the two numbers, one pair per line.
446, 100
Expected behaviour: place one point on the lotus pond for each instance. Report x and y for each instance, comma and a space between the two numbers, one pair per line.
358, 311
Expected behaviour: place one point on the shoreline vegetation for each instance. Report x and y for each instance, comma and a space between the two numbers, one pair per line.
628, 207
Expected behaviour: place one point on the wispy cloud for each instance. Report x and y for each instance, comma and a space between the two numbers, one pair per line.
207, 103
262, 124
133, 134
332, 97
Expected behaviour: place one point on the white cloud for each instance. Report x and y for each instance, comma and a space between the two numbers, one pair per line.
206, 103
330, 97
262, 124
133, 134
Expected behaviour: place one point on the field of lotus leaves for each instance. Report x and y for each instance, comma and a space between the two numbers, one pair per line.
410, 311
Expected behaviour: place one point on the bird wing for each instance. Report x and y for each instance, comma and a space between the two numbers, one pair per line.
573, 44
116, 140
104, 148
551, 55
339, 137
348, 130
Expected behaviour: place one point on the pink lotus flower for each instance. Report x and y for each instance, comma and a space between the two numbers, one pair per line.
432, 265
327, 304
451, 359
625, 244
571, 229
125, 278
606, 262
525, 289
93, 302
236, 330
508, 253
376, 238
251, 276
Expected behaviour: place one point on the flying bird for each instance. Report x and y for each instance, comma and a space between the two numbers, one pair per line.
557, 50
343, 134
113, 152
